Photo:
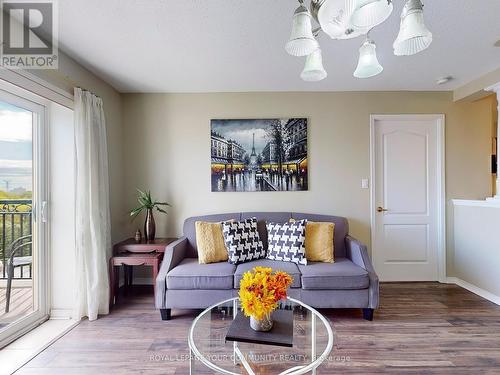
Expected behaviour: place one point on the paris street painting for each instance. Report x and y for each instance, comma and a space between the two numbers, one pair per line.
259, 155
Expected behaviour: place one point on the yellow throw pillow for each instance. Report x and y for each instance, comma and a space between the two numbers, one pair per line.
210, 242
319, 241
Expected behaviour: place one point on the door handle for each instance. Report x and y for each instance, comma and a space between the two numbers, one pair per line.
43, 212
381, 209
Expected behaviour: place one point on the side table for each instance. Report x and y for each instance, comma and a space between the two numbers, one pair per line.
129, 253
129, 245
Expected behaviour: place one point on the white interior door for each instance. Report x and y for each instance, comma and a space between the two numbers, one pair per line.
407, 197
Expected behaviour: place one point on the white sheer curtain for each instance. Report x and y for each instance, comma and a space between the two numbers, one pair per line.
93, 229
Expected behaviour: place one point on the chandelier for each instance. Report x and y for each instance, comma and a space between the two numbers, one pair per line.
347, 19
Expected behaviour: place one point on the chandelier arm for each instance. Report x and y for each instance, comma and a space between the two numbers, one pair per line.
316, 31
314, 7
411, 6
368, 32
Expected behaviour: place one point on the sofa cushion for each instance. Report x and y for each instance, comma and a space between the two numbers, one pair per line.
343, 274
263, 218
319, 241
242, 241
288, 267
286, 242
210, 242
189, 274
340, 231
190, 229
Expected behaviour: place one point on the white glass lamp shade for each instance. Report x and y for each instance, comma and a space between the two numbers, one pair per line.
370, 13
413, 36
368, 65
313, 68
334, 18
302, 41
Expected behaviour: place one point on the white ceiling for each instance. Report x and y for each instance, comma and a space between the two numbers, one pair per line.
237, 45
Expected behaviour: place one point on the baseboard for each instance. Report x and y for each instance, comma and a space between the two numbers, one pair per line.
474, 289
61, 314
450, 280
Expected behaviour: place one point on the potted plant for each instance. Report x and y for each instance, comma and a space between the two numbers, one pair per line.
148, 204
260, 291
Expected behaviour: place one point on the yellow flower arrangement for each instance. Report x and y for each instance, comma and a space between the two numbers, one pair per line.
261, 289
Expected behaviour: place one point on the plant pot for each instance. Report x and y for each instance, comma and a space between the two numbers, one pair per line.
149, 226
261, 325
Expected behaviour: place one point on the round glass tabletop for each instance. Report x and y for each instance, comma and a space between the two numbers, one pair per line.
210, 352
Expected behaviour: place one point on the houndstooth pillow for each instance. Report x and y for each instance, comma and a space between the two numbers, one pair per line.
287, 242
242, 241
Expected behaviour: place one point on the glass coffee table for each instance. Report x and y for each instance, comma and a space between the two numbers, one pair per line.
210, 353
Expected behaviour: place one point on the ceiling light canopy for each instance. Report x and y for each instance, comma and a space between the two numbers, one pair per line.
368, 65
334, 18
347, 19
370, 13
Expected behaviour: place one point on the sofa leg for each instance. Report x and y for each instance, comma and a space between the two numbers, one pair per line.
166, 314
368, 314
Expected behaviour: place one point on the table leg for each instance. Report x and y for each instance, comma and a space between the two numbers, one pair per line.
155, 274
191, 362
111, 283
235, 344
125, 279
313, 341
116, 286
244, 362
130, 276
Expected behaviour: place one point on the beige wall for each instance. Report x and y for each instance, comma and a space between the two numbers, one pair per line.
494, 131
167, 150
71, 74
477, 245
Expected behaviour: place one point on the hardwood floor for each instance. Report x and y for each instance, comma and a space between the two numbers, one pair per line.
420, 328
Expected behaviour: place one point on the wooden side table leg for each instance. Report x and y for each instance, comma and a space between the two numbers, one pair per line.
116, 272
155, 274
125, 279
130, 276
111, 284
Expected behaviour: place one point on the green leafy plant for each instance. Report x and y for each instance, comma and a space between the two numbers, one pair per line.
147, 203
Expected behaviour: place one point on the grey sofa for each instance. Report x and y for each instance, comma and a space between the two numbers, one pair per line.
350, 282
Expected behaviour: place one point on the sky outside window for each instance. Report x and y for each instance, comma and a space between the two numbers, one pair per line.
15, 149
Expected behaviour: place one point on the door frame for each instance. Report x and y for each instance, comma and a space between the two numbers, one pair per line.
40, 107
439, 120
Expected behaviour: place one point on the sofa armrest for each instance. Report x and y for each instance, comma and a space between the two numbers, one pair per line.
174, 254
357, 252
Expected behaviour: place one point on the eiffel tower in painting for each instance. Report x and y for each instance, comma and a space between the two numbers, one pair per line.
253, 155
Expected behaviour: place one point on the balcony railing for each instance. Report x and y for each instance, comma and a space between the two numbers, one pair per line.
15, 222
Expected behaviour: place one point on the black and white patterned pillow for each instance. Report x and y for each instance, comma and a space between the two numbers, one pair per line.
286, 242
242, 241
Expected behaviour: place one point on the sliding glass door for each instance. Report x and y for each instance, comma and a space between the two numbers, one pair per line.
23, 221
